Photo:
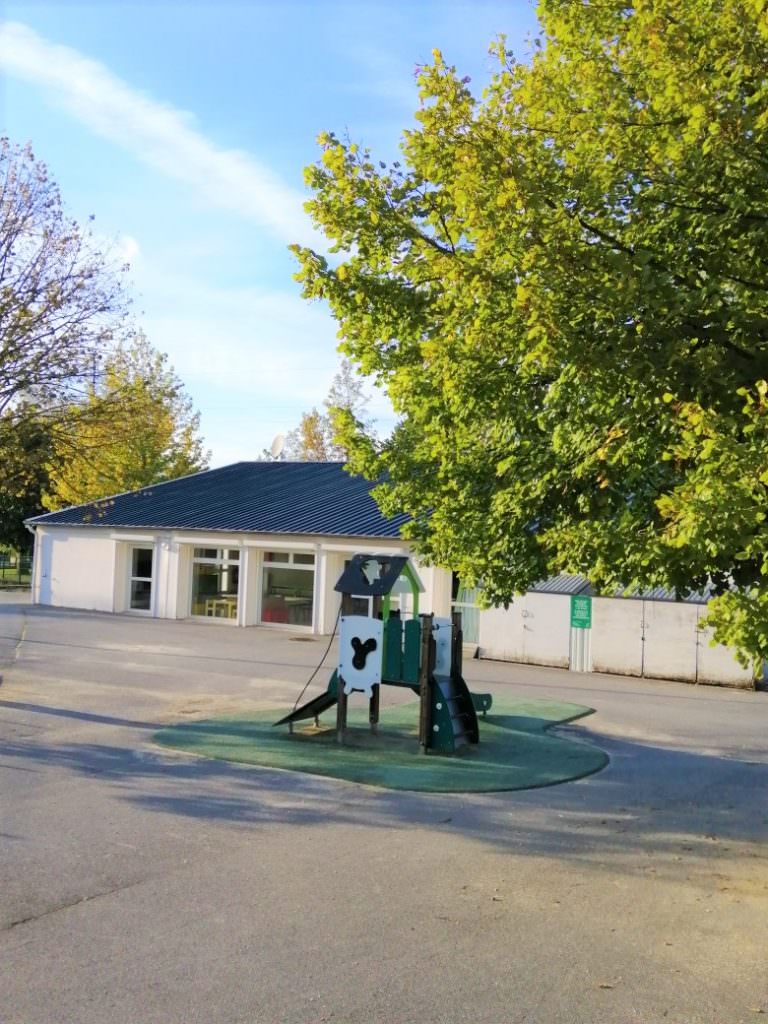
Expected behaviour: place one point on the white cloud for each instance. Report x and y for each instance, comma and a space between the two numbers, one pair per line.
155, 133
126, 249
253, 360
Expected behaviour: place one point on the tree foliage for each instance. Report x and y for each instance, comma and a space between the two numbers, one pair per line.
25, 448
136, 427
562, 286
61, 305
61, 300
319, 436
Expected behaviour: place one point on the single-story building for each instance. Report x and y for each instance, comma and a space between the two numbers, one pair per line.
263, 543
255, 543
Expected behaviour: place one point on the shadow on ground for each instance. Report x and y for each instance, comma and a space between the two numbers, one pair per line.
666, 805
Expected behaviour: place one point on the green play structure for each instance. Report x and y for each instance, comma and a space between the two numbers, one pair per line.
422, 653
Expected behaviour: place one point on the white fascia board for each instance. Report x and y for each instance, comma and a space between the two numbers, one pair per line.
135, 538
202, 540
280, 543
373, 547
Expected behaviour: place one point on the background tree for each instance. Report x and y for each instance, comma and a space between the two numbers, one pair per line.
61, 300
26, 447
563, 290
320, 435
61, 305
136, 427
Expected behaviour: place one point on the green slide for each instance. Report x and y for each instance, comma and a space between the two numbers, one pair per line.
316, 706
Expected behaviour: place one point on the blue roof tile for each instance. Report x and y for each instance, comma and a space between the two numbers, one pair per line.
253, 497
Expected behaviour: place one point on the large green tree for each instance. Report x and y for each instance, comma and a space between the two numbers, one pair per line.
562, 286
136, 427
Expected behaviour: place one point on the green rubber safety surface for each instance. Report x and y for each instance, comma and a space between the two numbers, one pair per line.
515, 749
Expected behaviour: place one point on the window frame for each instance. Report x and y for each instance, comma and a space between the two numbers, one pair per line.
222, 562
147, 612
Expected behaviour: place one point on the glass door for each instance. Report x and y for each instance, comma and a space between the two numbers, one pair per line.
140, 596
464, 600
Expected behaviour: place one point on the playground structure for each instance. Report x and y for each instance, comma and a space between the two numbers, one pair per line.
422, 653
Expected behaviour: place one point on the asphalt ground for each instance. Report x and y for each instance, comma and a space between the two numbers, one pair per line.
142, 886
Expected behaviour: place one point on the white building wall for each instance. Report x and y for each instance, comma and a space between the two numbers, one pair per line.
535, 630
75, 569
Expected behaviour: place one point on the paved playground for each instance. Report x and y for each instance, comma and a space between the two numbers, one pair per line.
139, 885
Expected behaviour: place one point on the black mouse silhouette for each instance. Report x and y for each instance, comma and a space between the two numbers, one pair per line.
362, 650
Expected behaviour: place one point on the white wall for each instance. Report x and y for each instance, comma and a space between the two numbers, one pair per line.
75, 568
628, 637
617, 636
671, 640
437, 589
717, 664
535, 630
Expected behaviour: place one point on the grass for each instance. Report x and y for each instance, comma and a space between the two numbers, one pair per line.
516, 751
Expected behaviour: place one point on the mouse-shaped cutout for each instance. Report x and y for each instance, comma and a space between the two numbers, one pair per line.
362, 650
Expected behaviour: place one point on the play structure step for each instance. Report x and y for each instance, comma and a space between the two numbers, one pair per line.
454, 720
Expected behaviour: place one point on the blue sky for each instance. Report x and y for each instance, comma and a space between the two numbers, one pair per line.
184, 128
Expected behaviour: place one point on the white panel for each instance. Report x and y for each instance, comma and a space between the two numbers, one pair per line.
617, 636
122, 567
670, 640
165, 565
500, 632
78, 570
43, 566
437, 587
442, 630
547, 629
251, 581
184, 582
334, 567
361, 640
717, 664
535, 629
581, 650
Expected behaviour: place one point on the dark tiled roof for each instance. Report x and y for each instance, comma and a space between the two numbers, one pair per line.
562, 584
566, 584
257, 497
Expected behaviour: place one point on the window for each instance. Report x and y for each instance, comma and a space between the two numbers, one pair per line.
287, 588
289, 557
215, 582
140, 587
217, 554
464, 600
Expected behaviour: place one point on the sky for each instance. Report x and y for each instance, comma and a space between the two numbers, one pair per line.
183, 129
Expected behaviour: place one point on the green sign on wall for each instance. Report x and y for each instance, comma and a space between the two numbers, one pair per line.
581, 612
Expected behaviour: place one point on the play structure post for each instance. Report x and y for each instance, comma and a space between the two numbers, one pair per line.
377, 606
457, 639
341, 703
426, 669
